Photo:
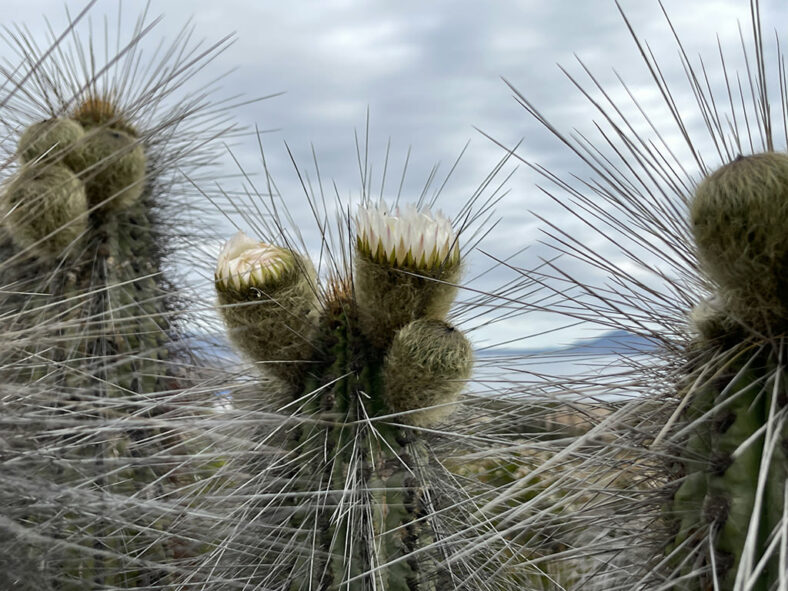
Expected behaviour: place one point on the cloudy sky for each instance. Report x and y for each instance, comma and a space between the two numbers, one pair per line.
429, 73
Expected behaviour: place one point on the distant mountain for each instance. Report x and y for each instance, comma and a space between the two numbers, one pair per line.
617, 341
610, 343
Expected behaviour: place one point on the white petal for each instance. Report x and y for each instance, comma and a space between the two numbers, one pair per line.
405, 231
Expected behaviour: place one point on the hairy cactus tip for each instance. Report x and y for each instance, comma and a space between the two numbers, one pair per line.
110, 158
45, 209
407, 264
425, 370
45, 206
71, 165
51, 137
738, 216
268, 300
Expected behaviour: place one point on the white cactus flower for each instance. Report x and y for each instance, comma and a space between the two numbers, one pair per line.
407, 236
244, 262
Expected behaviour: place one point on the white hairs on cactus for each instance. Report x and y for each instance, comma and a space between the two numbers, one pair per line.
244, 262
409, 236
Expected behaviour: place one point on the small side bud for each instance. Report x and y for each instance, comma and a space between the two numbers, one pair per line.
50, 138
738, 216
426, 368
407, 262
111, 163
102, 111
712, 323
45, 209
268, 300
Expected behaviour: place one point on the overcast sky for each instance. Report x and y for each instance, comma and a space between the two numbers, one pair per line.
429, 72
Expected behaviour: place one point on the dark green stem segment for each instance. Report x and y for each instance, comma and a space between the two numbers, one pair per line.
733, 470
362, 523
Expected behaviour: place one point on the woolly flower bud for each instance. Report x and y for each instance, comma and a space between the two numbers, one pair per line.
425, 370
48, 138
268, 300
407, 263
245, 263
406, 237
738, 216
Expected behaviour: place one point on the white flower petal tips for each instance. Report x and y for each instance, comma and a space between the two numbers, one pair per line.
406, 237
244, 263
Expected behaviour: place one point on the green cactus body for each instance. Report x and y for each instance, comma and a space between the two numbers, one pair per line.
371, 512
103, 323
731, 499
723, 461
360, 508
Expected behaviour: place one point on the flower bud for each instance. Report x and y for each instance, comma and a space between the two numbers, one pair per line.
111, 163
50, 138
739, 216
45, 209
268, 300
426, 368
407, 262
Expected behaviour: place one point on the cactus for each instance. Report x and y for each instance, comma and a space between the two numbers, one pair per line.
112, 474
732, 488
92, 363
345, 476
342, 369
702, 439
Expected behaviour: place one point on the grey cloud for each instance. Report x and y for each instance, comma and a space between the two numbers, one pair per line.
429, 72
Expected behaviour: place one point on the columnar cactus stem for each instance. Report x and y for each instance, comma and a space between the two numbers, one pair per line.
92, 458
379, 348
733, 463
78, 203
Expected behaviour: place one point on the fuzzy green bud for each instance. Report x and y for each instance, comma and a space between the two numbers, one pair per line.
53, 137
45, 209
112, 165
739, 216
426, 368
268, 300
407, 265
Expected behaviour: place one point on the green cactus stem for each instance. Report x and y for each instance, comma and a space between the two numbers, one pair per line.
731, 496
112, 344
353, 489
95, 451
